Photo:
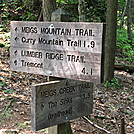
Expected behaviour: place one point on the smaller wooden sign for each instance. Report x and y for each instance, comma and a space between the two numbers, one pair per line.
57, 102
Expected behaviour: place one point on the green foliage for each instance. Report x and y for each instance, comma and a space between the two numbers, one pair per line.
28, 16
122, 38
3, 1
8, 91
3, 28
5, 15
125, 50
114, 83
112, 108
6, 113
67, 1
24, 125
2, 84
123, 44
95, 10
18, 11
7, 110
121, 3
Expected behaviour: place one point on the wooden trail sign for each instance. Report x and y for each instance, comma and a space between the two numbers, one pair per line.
59, 49
58, 102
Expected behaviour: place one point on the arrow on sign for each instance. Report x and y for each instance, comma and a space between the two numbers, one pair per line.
16, 29
15, 62
16, 38
15, 52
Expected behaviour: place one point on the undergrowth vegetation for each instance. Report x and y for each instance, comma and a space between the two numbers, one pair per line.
25, 11
15, 10
125, 51
114, 83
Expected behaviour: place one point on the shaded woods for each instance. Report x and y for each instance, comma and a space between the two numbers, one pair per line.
113, 100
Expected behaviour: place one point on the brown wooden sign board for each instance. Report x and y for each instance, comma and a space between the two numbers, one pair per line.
58, 102
59, 49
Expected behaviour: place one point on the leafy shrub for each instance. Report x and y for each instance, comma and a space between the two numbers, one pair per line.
126, 51
114, 83
15, 10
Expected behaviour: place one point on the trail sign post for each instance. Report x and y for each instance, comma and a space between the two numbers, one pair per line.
65, 50
58, 102
59, 49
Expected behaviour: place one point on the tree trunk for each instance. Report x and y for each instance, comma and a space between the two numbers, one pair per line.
110, 40
123, 15
132, 6
129, 21
81, 10
48, 6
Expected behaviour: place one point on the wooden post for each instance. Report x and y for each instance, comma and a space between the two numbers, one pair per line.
110, 41
60, 16
65, 128
122, 127
53, 130
48, 8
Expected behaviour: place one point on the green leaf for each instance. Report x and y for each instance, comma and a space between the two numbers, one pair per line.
2, 84
130, 113
132, 98
113, 108
1, 26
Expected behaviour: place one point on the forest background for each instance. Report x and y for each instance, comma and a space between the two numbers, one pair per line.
93, 11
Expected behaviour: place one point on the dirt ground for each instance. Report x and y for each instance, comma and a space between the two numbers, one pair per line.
110, 104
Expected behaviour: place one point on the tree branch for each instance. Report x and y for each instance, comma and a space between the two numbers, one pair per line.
96, 126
